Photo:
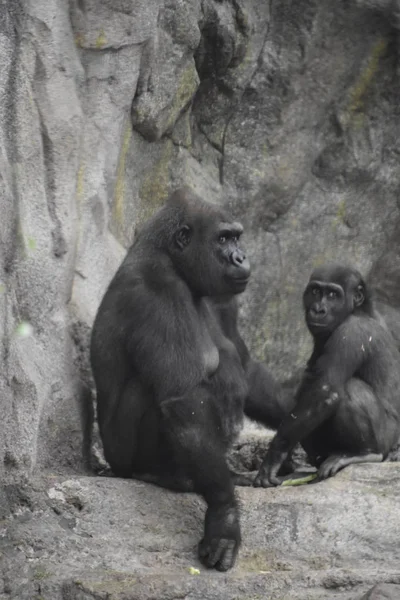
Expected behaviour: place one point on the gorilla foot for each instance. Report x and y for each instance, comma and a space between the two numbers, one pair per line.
335, 463
394, 455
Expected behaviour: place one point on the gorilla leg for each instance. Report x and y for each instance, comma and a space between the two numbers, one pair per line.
174, 482
337, 462
243, 479
135, 444
193, 429
363, 429
130, 435
181, 482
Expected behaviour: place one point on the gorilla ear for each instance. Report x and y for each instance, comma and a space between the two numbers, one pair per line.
183, 237
359, 295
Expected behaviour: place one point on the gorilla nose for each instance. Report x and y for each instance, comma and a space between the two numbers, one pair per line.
239, 260
238, 257
317, 312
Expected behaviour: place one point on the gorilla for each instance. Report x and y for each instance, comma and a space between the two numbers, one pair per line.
172, 374
348, 404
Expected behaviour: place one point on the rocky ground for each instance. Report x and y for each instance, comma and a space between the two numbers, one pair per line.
103, 538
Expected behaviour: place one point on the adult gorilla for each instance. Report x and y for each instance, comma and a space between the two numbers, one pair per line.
173, 375
348, 404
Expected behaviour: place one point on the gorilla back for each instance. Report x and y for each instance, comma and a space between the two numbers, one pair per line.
173, 376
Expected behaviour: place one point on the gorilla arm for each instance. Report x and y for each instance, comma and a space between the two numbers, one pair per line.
265, 402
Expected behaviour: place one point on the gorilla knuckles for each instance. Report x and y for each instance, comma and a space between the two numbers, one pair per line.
173, 376
347, 407
207, 257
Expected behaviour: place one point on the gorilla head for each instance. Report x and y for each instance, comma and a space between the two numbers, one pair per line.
332, 294
202, 241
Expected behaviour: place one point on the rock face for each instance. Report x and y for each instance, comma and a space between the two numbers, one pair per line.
383, 591
87, 538
288, 112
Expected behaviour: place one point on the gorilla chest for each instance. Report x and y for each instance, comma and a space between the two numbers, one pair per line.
224, 377
218, 354
209, 354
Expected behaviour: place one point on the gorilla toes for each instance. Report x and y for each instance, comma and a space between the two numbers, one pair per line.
331, 466
218, 553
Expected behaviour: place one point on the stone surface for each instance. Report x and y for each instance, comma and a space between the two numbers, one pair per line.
287, 112
383, 591
99, 538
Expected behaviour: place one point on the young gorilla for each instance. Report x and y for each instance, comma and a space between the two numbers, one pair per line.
348, 404
173, 375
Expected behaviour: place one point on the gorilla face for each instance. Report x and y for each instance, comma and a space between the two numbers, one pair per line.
325, 306
207, 252
332, 294
231, 257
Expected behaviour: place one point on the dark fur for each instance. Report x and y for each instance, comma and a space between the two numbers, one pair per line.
173, 375
348, 404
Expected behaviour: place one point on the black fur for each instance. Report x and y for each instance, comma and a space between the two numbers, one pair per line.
348, 404
173, 375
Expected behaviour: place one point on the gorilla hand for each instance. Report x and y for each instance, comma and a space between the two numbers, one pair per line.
268, 474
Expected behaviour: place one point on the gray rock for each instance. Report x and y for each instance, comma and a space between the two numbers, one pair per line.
102, 537
287, 112
383, 591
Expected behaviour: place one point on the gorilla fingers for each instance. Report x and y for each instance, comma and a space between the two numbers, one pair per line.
221, 540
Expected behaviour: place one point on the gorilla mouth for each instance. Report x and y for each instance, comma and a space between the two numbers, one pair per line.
316, 324
240, 281
238, 284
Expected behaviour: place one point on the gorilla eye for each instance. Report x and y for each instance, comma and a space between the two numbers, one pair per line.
314, 291
222, 239
332, 294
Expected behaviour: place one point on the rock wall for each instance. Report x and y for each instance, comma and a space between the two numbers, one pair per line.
286, 111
